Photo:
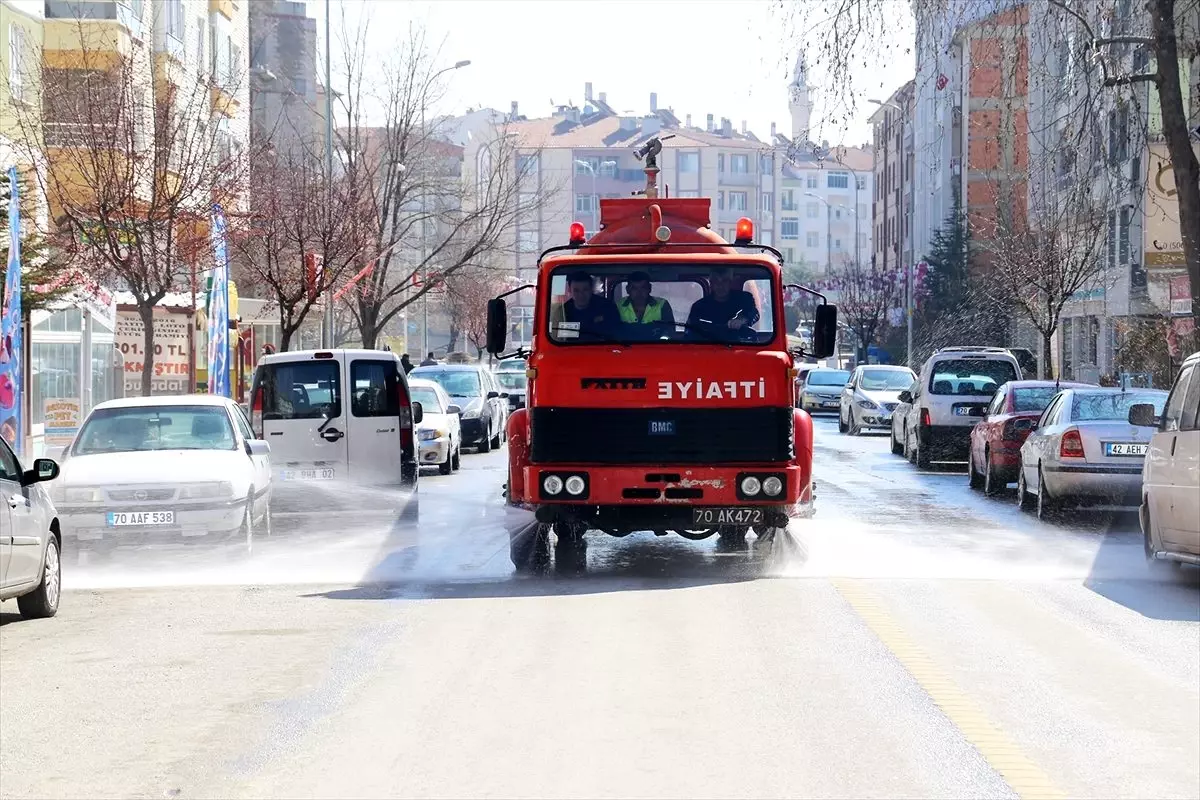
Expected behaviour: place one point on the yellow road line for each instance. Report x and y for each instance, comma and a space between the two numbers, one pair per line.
1000, 752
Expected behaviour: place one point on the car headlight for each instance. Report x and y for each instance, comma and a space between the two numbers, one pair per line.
472, 413
430, 434
552, 484
203, 491
772, 486
867, 404
82, 495
751, 485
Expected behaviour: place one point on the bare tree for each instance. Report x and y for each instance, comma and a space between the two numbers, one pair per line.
467, 295
429, 212
291, 222
131, 164
865, 295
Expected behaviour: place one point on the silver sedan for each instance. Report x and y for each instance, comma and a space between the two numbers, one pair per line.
1084, 447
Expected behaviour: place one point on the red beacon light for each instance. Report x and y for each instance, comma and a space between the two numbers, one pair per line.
745, 231
578, 233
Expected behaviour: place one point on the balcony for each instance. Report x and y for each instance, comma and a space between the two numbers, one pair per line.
225, 8
737, 178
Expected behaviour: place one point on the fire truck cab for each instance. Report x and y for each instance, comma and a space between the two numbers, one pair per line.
672, 413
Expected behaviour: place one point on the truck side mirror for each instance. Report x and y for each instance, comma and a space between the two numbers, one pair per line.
824, 335
497, 325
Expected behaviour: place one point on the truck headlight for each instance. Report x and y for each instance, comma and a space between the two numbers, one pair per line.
552, 484
751, 485
575, 485
772, 486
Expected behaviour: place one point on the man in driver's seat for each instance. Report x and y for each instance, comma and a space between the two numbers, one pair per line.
638, 306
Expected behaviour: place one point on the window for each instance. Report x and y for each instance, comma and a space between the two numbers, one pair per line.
242, 424
739, 164
584, 203
587, 166
141, 428
737, 201
789, 255
860, 183
1123, 235
837, 180
788, 200
721, 201
688, 193
300, 86
789, 228
970, 377
430, 402
812, 210
233, 65
720, 162
16, 61
837, 244
456, 382
608, 169
767, 203
812, 239
689, 162
527, 165
527, 241
1174, 416
767, 238
811, 180
10, 468
1113, 406
201, 36
301, 390
175, 19
376, 393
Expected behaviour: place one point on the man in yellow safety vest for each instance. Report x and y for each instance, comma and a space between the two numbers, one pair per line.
639, 307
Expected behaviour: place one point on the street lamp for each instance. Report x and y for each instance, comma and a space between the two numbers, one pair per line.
424, 209
828, 234
595, 203
908, 268
849, 210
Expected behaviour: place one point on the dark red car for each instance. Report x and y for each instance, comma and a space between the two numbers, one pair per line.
996, 441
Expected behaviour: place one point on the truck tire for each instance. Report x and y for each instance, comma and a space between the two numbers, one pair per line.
529, 547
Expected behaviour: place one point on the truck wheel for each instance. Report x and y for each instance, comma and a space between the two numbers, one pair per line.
529, 547
570, 549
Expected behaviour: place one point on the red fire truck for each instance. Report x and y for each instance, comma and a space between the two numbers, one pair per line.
675, 418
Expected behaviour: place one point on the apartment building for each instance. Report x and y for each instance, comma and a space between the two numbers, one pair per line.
892, 200
283, 73
824, 209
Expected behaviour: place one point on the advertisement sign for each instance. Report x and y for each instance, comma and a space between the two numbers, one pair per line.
62, 415
170, 351
1162, 243
10, 328
1181, 296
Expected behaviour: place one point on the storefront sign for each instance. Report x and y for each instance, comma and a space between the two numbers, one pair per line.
170, 351
62, 415
1162, 243
1181, 296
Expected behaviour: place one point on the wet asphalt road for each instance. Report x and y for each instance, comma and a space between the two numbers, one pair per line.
914, 639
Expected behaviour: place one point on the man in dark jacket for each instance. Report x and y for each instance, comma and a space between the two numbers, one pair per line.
406, 362
725, 313
429, 361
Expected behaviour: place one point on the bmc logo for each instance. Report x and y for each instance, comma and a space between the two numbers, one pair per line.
662, 427
613, 383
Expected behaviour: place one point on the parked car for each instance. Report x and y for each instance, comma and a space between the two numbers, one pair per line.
440, 433
900, 414
1084, 446
343, 451
870, 397
30, 545
515, 385
147, 468
955, 384
474, 389
1170, 507
995, 450
822, 389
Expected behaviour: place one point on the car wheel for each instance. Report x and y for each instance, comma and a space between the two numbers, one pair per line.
485, 444
922, 461
457, 458
973, 479
497, 438
842, 426
992, 485
447, 466
1024, 501
1046, 505
43, 601
909, 452
897, 448
855, 428
1147, 537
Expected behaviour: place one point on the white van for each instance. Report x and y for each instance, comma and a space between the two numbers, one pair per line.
1170, 512
341, 428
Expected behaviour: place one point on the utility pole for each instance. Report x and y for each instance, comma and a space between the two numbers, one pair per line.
327, 321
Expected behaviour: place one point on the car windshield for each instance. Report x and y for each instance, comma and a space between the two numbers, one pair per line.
885, 380
828, 377
663, 304
1114, 407
456, 382
971, 376
512, 381
139, 428
427, 398
1033, 399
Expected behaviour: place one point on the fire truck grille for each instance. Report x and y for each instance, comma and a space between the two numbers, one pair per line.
661, 435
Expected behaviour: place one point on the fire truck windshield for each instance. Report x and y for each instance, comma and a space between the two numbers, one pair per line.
661, 303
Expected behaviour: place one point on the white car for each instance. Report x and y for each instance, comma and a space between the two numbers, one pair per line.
30, 544
1170, 509
871, 395
955, 386
150, 468
440, 433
